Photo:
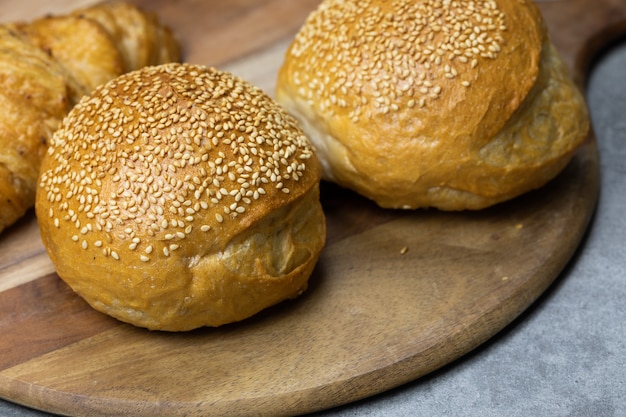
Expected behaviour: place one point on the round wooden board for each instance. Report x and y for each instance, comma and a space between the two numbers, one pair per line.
395, 295
373, 318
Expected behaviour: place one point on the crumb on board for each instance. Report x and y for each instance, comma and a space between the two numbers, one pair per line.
404, 250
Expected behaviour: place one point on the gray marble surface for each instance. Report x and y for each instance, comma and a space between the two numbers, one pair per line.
566, 356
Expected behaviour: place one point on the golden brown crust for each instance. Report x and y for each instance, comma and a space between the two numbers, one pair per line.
33, 102
86, 64
179, 196
406, 110
141, 40
46, 66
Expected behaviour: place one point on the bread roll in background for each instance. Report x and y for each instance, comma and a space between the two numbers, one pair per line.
180, 196
96, 44
418, 103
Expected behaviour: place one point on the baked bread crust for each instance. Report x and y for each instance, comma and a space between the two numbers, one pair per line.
454, 105
180, 196
33, 101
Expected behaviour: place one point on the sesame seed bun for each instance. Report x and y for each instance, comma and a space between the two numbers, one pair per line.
448, 104
180, 196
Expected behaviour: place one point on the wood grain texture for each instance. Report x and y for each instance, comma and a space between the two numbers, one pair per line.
373, 318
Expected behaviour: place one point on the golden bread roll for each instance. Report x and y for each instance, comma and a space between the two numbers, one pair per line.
180, 196
46, 66
85, 64
33, 101
429, 103
141, 39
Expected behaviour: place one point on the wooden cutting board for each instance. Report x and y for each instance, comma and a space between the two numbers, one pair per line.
395, 296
